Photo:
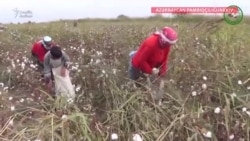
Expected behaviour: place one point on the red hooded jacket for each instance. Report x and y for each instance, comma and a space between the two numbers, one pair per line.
151, 55
39, 51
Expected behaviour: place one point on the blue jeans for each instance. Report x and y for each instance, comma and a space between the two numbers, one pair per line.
134, 73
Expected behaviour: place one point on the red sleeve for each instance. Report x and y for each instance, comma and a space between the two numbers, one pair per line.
34, 49
164, 67
142, 55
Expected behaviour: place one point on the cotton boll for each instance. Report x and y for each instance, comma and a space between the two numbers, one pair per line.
5, 88
70, 101
74, 68
231, 136
248, 113
233, 95
239, 82
32, 66
78, 88
114, 71
21, 100
208, 134
114, 136
13, 64
97, 61
8, 70
10, 98
194, 93
137, 137
244, 109
99, 53
23, 66
83, 51
12, 108
204, 78
11, 122
64, 117
217, 110
204, 86
103, 71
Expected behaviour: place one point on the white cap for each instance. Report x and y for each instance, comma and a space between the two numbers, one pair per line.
47, 39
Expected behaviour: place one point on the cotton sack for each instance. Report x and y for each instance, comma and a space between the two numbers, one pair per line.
63, 85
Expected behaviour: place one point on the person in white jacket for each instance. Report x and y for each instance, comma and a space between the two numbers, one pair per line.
56, 65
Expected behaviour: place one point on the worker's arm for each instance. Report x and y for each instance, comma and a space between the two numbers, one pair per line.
65, 59
47, 68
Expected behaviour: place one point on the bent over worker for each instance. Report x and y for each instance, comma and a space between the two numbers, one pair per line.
152, 56
152, 59
56, 67
40, 48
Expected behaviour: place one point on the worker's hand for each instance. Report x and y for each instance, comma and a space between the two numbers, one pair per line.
50, 85
47, 77
67, 64
63, 72
155, 70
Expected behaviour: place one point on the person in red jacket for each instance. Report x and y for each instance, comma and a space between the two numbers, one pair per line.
40, 48
152, 56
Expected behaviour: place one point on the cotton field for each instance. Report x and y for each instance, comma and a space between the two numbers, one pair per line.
205, 96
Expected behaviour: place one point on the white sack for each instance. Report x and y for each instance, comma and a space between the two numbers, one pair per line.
63, 85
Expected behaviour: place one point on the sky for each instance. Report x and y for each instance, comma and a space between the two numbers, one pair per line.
51, 10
